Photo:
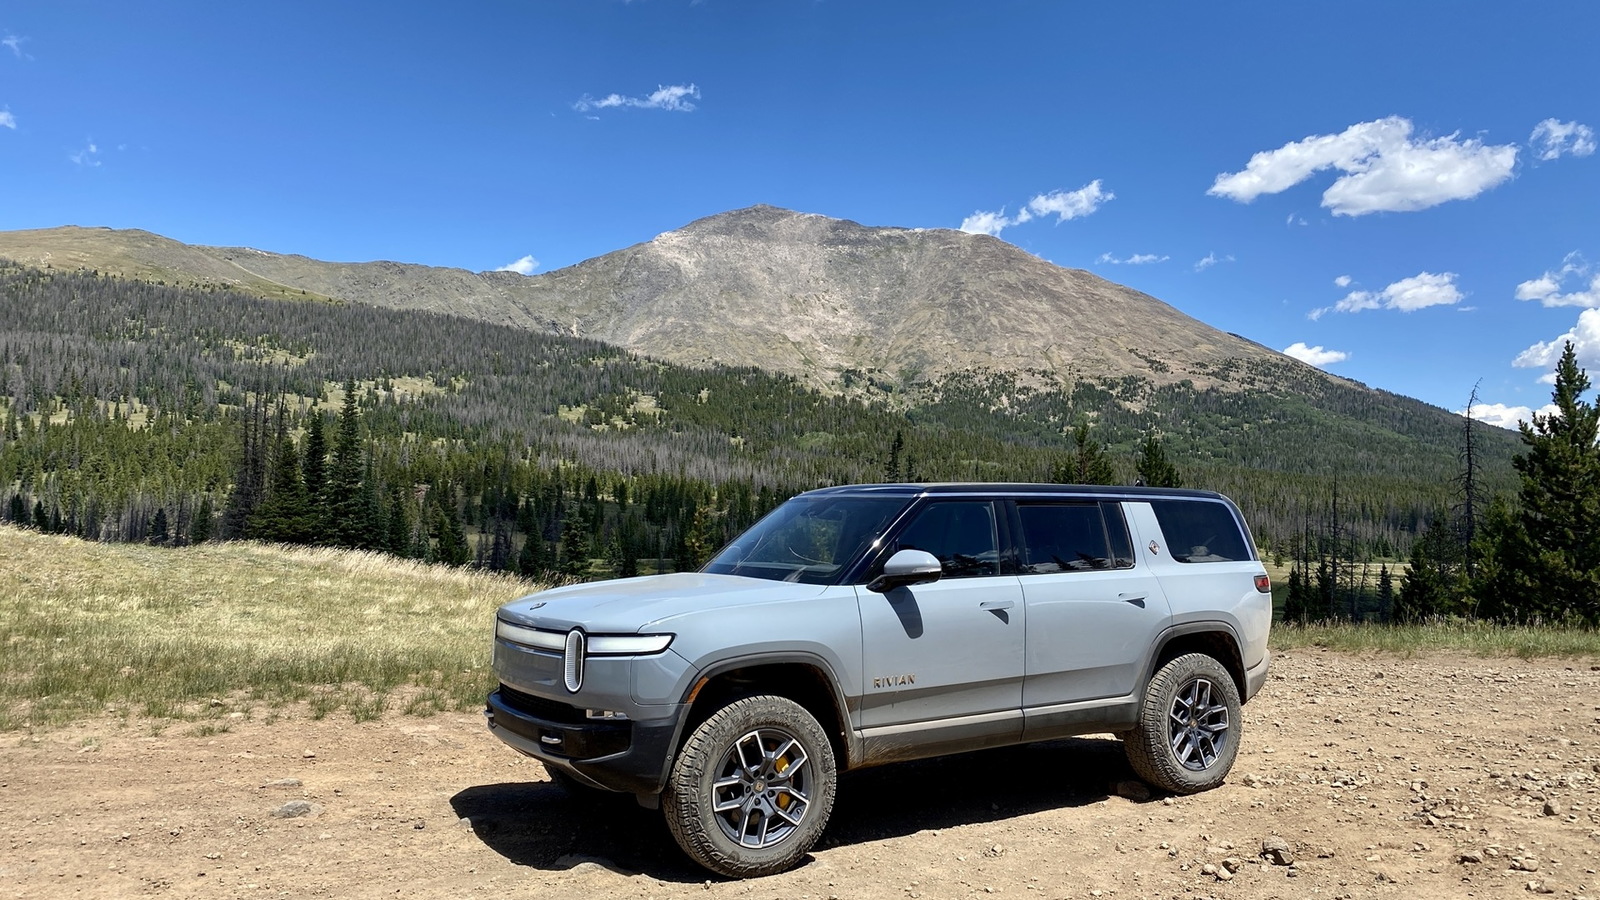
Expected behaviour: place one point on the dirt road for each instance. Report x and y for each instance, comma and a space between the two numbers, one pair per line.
1432, 777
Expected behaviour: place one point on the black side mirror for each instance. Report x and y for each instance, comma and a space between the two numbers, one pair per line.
907, 567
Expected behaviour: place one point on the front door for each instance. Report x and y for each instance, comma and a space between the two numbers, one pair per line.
951, 650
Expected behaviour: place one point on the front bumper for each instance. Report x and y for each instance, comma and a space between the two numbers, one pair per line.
630, 756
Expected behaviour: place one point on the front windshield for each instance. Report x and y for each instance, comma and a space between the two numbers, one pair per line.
808, 539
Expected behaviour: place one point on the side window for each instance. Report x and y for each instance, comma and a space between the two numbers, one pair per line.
961, 533
1063, 537
1117, 530
1200, 531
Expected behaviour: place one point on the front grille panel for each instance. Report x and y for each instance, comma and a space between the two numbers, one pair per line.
540, 708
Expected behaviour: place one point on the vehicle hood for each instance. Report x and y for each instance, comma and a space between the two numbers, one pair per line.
630, 605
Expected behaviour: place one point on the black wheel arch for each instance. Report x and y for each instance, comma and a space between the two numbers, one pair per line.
805, 678
1215, 639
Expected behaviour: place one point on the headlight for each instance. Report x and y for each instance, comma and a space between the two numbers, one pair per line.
627, 644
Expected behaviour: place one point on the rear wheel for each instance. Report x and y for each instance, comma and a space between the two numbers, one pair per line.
751, 790
1188, 731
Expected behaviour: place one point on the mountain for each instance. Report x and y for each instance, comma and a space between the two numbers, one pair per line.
794, 293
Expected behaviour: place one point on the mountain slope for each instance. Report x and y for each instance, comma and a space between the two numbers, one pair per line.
799, 294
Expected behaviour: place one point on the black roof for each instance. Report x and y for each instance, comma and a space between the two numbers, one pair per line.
992, 488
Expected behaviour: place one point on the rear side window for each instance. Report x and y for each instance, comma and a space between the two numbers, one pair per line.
1070, 537
1200, 531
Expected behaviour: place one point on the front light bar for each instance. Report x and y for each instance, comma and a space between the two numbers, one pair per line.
598, 644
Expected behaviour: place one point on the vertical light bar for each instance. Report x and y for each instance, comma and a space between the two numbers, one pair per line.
573, 668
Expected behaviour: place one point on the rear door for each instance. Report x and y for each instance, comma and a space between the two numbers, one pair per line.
1092, 611
952, 649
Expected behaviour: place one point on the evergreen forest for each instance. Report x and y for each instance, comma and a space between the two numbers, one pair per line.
172, 414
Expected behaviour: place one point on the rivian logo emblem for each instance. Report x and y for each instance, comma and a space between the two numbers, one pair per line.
894, 680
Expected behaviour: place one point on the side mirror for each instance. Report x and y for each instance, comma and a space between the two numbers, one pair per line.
907, 567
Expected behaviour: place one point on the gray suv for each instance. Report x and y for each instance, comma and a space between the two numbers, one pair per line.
861, 625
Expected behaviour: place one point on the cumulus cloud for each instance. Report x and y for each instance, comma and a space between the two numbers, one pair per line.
1547, 288
1063, 205
670, 97
1585, 338
1502, 416
1315, 356
1552, 139
1210, 260
7, 120
1385, 169
1343, 281
1137, 259
1420, 291
523, 266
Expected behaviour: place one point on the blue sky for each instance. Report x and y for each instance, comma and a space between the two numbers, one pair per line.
1410, 187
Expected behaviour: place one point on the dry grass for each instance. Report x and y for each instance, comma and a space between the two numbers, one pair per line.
1477, 638
207, 630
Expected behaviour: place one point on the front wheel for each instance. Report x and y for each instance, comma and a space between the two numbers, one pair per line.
751, 790
1188, 731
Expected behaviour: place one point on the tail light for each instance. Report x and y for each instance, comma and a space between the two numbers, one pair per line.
1264, 584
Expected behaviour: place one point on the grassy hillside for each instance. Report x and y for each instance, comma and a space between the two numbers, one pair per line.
205, 631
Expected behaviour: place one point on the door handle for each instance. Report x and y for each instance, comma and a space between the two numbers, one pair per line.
1135, 600
992, 605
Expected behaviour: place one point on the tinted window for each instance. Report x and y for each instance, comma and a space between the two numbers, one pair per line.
960, 533
808, 539
1117, 530
1200, 531
1062, 537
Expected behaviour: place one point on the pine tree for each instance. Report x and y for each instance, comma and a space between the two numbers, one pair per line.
1088, 463
286, 515
1385, 592
1548, 561
159, 530
200, 528
345, 503
1154, 468
314, 473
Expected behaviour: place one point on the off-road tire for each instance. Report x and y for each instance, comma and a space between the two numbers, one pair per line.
744, 729
1193, 703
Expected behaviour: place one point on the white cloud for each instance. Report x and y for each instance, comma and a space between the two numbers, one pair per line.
87, 156
1585, 338
1343, 281
1420, 291
14, 42
1071, 204
1315, 356
991, 223
671, 97
1502, 416
523, 266
1552, 139
7, 120
1137, 259
1063, 205
1547, 287
1210, 260
1385, 170
1295, 220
